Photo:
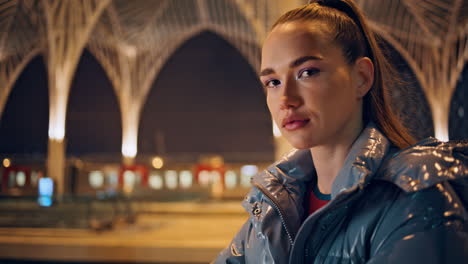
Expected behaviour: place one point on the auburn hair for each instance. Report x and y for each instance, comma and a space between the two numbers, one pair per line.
351, 33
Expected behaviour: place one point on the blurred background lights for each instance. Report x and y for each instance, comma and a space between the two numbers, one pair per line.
204, 178
96, 179
46, 190
157, 162
247, 172
155, 181
216, 161
129, 179
6, 162
113, 178
186, 179
215, 177
171, 179
230, 179
20, 178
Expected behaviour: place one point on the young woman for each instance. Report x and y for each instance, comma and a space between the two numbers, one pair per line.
357, 189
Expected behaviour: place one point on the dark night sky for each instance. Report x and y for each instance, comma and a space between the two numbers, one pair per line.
207, 99
24, 122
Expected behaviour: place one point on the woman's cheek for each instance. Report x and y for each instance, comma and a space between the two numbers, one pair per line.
270, 103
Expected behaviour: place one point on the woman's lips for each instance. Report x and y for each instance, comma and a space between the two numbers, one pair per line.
296, 124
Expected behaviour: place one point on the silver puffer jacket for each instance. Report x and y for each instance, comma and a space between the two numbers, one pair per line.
388, 206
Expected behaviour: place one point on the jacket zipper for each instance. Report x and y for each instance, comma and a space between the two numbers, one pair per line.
278, 209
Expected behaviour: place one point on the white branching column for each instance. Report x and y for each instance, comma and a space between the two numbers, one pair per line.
432, 35
68, 25
128, 51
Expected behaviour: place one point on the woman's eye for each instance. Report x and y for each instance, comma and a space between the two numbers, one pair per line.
308, 73
272, 83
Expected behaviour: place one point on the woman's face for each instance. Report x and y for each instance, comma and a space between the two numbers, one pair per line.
314, 95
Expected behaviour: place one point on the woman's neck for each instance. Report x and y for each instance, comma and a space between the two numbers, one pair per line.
328, 163
329, 159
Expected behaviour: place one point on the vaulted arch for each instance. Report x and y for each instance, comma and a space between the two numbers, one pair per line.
206, 99
93, 124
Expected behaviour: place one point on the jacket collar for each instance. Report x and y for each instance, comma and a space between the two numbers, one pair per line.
288, 179
363, 160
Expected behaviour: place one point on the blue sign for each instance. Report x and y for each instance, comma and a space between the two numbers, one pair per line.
46, 191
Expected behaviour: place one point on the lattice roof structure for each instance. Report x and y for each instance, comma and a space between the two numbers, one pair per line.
21, 38
432, 36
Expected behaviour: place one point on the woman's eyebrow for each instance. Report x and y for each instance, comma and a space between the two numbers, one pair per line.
301, 60
266, 71
293, 64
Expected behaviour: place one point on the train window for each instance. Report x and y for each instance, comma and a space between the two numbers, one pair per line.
20, 178
155, 181
215, 177
170, 178
129, 179
230, 179
204, 178
34, 178
186, 179
96, 179
113, 178
247, 172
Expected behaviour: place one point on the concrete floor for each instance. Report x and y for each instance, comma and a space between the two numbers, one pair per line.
170, 233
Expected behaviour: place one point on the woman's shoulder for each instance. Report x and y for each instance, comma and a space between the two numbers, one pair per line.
430, 175
432, 217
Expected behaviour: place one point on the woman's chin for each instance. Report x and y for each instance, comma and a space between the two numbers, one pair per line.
300, 144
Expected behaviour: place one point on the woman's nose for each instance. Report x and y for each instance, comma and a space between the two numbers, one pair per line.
290, 98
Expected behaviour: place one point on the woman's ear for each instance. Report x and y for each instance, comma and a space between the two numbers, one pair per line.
364, 70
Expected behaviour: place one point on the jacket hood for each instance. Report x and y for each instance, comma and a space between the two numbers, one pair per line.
426, 164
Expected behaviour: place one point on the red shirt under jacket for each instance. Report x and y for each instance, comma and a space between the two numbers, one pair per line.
317, 199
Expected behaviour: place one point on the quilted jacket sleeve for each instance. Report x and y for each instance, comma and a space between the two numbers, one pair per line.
429, 226
235, 252
261, 239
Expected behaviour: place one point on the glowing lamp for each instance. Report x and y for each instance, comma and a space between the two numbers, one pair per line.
6, 162
157, 162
